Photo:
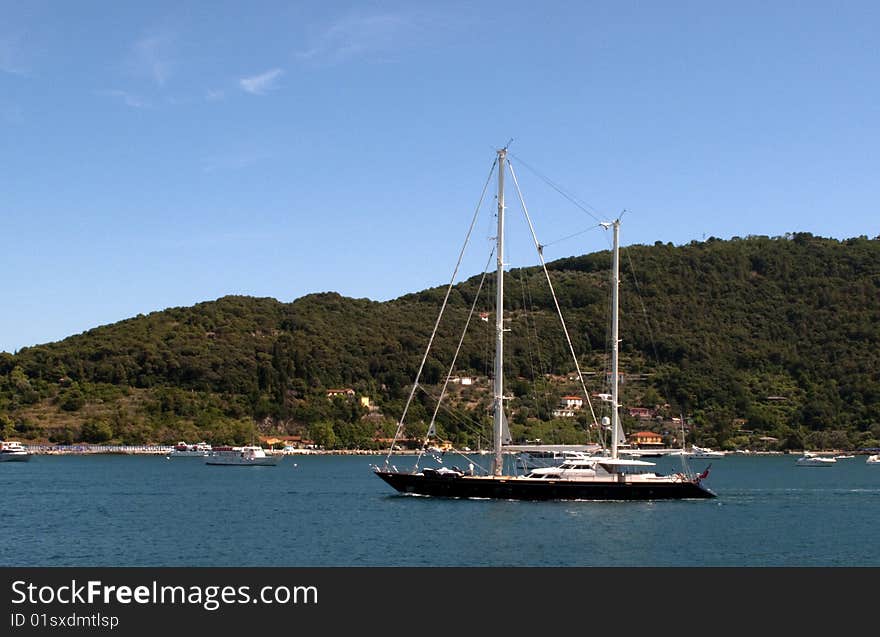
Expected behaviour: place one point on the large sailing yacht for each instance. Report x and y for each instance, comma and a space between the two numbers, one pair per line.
606, 477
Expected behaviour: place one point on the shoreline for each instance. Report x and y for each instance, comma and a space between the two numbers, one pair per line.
163, 450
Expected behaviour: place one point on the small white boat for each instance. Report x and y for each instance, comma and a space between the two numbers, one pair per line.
844, 456
810, 459
698, 452
875, 459
642, 453
705, 452
183, 450
249, 456
538, 458
11, 451
574, 467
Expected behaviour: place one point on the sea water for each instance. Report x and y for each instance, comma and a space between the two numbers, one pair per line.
332, 511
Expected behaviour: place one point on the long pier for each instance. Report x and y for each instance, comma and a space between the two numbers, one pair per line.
125, 450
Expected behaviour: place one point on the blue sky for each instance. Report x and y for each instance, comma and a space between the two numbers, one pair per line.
160, 154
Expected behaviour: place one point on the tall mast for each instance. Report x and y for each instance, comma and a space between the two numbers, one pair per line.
615, 283
498, 414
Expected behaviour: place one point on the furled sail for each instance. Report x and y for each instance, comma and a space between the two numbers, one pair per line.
505, 430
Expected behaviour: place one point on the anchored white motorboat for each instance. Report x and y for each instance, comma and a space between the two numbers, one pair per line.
699, 453
249, 456
11, 451
705, 452
548, 456
875, 459
810, 459
183, 450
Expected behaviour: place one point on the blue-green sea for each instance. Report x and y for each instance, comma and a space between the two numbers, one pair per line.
332, 511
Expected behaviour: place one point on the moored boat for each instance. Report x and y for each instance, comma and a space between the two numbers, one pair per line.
183, 450
699, 453
12, 451
549, 455
810, 459
247, 456
705, 452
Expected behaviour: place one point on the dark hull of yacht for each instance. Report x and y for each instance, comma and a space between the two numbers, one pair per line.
14, 457
510, 488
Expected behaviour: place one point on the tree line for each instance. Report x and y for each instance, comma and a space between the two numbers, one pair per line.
749, 338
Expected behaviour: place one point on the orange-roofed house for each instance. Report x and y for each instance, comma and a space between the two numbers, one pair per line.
646, 438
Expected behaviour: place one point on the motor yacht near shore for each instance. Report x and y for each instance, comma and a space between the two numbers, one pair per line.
11, 451
698, 453
247, 456
810, 459
541, 456
874, 460
607, 477
183, 450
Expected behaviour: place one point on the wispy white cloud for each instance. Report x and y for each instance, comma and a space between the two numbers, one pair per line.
356, 36
129, 99
215, 96
262, 83
152, 56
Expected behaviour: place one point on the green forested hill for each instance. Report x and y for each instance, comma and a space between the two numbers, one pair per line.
750, 338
